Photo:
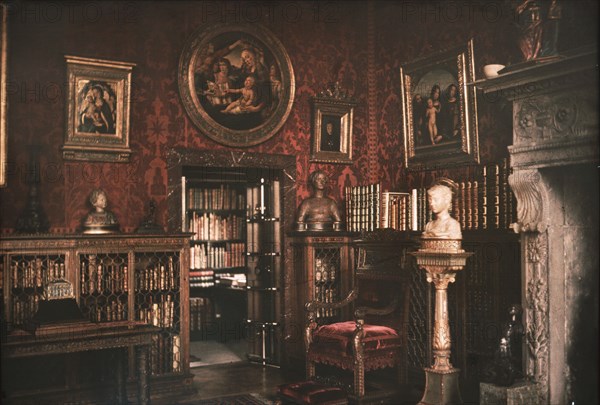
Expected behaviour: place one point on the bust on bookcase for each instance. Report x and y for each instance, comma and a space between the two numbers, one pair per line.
318, 212
100, 220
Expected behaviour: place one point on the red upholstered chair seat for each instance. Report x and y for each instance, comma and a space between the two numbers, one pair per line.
332, 344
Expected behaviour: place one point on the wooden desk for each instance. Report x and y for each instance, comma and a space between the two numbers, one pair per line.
82, 337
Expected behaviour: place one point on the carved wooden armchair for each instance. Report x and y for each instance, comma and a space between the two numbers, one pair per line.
376, 337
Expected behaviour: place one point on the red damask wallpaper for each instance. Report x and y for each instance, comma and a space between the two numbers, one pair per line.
361, 45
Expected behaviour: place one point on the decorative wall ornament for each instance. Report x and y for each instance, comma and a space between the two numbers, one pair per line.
439, 109
546, 118
236, 83
98, 106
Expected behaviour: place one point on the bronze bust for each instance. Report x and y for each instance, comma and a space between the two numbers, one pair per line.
100, 220
318, 212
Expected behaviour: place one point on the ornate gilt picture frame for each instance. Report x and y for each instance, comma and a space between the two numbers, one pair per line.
236, 82
333, 113
99, 98
439, 110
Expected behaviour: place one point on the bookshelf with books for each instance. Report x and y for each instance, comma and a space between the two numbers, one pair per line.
235, 217
214, 211
115, 278
483, 200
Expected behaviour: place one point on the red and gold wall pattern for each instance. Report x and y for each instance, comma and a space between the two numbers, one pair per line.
326, 42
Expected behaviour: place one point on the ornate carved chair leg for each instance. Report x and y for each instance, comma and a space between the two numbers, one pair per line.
359, 360
359, 379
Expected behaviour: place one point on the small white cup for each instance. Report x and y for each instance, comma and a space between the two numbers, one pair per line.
491, 71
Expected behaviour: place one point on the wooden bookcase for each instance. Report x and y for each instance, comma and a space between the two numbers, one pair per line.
322, 271
117, 277
215, 211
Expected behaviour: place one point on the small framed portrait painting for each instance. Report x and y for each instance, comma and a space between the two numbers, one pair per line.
332, 130
99, 98
439, 110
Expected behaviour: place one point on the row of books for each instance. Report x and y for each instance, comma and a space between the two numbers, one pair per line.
113, 310
326, 295
201, 312
24, 308
100, 278
35, 272
215, 257
202, 278
481, 201
157, 276
215, 227
362, 207
325, 274
165, 354
233, 280
222, 198
159, 313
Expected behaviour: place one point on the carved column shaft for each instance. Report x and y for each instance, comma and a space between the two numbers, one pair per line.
442, 340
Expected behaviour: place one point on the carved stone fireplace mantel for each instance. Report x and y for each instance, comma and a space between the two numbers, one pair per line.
554, 158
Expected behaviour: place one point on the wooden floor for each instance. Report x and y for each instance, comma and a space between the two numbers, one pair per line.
229, 373
238, 378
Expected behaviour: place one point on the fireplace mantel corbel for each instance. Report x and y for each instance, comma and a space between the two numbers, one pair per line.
532, 199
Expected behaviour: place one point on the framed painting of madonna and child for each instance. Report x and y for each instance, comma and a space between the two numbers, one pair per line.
99, 99
236, 82
439, 109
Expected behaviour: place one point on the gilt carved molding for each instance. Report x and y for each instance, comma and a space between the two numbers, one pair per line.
532, 200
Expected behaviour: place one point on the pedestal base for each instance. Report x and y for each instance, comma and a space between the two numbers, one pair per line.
441, 387
518, 393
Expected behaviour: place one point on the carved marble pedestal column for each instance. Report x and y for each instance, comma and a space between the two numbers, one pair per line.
441, 259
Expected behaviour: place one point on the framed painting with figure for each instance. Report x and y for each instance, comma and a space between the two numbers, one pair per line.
439, 110
99, 96
236, 83
332, 127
